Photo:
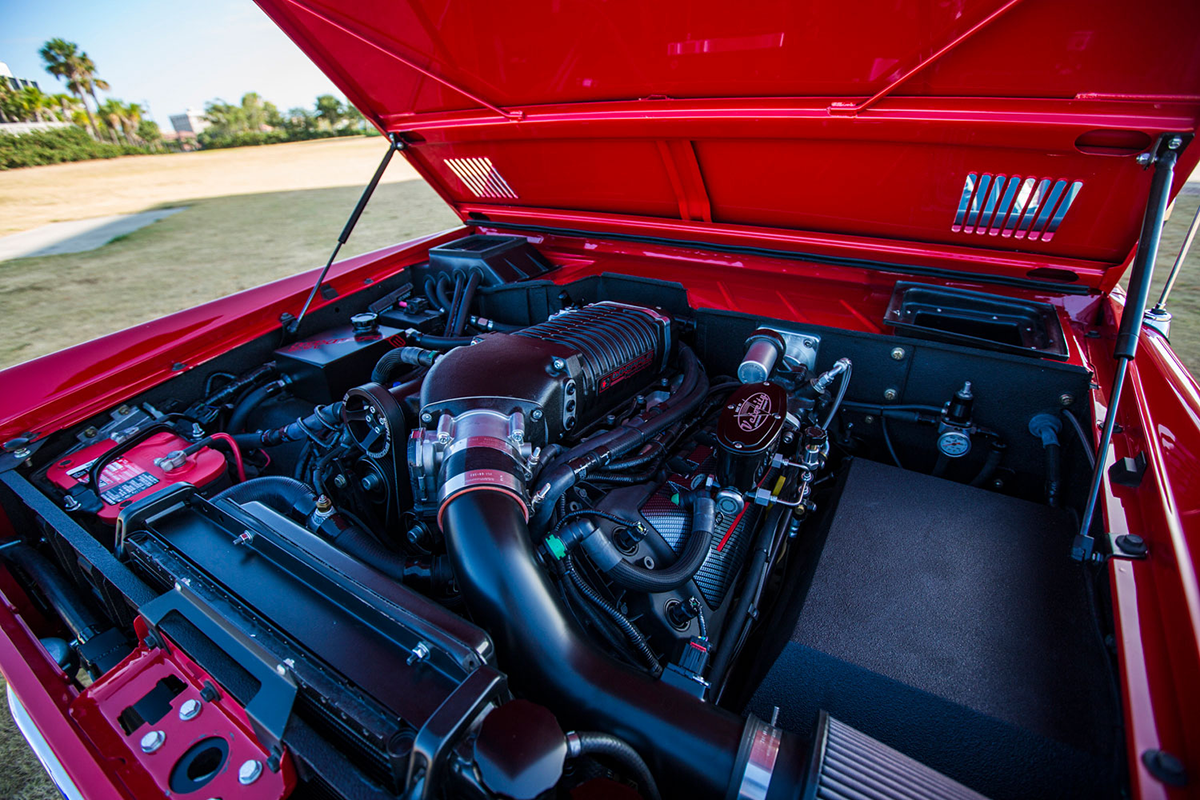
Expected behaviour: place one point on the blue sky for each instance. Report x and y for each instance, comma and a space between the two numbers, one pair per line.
168, 55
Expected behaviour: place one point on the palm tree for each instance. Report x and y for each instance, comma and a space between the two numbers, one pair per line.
87, 75
131, 120
6, 101
64, 61
112, 112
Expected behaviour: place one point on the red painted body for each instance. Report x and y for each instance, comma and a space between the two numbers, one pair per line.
817, 130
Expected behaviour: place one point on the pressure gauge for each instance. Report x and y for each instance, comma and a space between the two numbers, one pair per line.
954, 443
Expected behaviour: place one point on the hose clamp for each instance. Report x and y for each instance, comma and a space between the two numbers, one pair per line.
760, 742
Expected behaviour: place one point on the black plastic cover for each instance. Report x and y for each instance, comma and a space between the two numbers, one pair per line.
324, 366
501, 259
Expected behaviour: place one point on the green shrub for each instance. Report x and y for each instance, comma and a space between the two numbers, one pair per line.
215, 141
58, 146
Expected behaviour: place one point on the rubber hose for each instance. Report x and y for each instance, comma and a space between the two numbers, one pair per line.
443, 300
241, 414
432, 341
622, 622
455, 304
639, 579
576, 462
412, 356
280, 493
685, 740
464, 306
580, 743
60, 593
323, 417
989, 465
1053, 473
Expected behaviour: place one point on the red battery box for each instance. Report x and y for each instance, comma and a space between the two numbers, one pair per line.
134, 474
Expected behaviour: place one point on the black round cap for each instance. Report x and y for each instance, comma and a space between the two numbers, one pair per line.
520, 750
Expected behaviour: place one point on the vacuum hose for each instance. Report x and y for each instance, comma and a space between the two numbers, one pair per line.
695, 746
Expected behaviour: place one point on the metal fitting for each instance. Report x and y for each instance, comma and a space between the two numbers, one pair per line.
152, 741
249, 771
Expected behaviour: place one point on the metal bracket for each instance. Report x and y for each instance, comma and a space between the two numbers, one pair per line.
801, 347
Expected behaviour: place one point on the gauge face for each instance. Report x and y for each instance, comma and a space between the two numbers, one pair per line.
954, 443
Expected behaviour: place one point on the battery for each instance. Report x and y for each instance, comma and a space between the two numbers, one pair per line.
133, 474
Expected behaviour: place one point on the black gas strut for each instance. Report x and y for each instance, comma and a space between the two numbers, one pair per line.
293, 327
1166, 153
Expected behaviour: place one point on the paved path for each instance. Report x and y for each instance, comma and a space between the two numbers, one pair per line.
76, 236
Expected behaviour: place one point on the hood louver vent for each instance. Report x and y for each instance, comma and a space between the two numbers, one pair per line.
481, 177
1014, 206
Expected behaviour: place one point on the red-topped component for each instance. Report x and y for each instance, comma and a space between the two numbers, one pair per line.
136, 473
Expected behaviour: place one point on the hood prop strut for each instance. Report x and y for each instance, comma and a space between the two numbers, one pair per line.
1167, 151
292, 327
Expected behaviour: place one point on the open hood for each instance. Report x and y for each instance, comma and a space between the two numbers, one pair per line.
1000, 136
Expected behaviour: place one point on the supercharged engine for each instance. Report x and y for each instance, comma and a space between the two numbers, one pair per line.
421, 535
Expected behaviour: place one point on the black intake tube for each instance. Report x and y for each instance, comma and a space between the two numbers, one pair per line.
693, 748
60, 593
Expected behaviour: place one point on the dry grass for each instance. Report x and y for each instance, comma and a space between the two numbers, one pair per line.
36, 196
22, 776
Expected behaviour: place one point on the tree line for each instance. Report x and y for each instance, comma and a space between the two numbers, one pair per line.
119, 122
113, 120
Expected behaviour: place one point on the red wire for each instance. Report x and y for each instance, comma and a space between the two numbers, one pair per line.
738, 518
237, 453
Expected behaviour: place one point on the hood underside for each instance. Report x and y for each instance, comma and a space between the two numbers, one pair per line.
1008, 129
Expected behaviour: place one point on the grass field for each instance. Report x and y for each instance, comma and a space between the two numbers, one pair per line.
252, 215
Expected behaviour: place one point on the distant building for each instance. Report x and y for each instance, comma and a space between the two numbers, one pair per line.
190, 121
16, 83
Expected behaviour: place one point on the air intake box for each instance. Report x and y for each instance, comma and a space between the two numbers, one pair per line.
501, 259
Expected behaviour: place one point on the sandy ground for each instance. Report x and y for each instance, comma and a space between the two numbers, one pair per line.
36, 196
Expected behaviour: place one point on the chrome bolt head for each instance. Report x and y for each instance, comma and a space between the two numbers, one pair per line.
1144, 159
249, 771
427, 417
536, 414
152, 741
1066, 400
189, 710
559, 364
898, 354
1175, 142
890, 394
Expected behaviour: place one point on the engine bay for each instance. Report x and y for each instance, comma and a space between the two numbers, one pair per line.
669, 549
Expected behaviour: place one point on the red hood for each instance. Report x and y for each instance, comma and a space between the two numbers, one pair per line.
1006, 129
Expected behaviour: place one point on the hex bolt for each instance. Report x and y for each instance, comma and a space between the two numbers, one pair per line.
152, 741
22, 453
810, 343
418, 653
189, 710
339, 481
249, 771
869, 420
558, 364
536, 414
427, 417
898, 354
890, 394
1144, 159
1175, 142
1066, 400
